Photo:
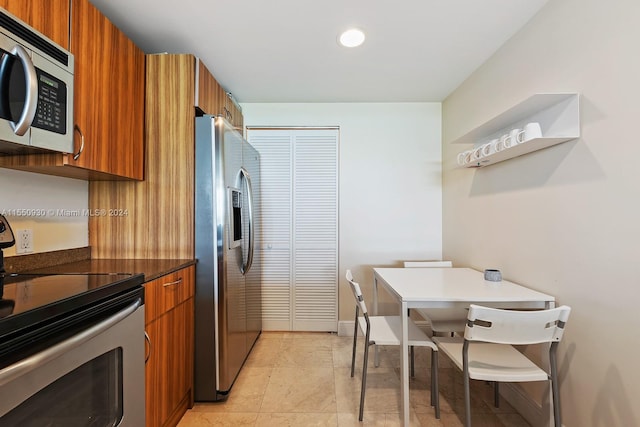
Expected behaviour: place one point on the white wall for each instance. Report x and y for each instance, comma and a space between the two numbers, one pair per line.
564, 220
390, 181
45, 204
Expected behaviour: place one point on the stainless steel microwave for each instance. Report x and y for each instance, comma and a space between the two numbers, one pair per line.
36, 90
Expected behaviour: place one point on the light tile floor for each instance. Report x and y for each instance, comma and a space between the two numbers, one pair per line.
303, 379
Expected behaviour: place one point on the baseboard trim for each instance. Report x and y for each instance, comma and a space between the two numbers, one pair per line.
345, 328
522, 402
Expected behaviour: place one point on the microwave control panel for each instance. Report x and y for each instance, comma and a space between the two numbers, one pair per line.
51, 113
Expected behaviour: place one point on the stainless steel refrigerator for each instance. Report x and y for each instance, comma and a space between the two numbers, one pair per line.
228, 314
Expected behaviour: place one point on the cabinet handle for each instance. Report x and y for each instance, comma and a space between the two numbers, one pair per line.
227, 114
76, 128
176, 282
148, 340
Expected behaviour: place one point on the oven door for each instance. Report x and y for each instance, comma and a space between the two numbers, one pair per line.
93, 378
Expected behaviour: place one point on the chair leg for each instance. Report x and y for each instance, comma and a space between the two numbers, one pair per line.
467, 401
364, 380
353, 356
496, 394
465, 378
433, 379
554, 386
435, 392
355, 338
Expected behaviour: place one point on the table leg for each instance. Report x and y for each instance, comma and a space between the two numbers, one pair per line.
375, 296
404, 365
376, 354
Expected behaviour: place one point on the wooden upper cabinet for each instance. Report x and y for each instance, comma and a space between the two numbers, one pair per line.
234, 113
109, 84
211, 98
208, 92
109, 95
50, 17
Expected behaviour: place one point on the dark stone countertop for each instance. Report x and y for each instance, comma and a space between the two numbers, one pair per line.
151, 268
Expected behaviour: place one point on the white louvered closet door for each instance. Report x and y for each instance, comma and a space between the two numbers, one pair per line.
299, 172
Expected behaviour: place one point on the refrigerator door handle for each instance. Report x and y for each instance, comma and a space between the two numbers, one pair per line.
247, 266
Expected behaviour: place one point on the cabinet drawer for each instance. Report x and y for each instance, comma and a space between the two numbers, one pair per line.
165, 293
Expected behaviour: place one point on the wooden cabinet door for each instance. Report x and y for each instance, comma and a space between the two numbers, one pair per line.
211, 98
178, 374
109, 95
169, 375
50, 17
153, 375
208, 92
169, 369
235, 115
169, 314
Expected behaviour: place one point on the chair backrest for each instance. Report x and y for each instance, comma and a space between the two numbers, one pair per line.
427, 264
515, 327
357, 293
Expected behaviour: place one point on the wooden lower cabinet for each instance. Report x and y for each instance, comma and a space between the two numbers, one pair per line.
169, 317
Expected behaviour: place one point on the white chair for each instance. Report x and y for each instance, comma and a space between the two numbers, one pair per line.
427, 264
387, 330
486, 352
442, 320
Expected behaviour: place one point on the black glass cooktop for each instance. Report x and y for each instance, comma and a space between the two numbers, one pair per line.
29, 299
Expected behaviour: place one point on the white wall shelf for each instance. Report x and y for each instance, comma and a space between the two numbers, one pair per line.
557, 113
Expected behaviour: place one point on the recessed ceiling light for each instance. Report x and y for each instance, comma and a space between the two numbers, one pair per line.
351, 38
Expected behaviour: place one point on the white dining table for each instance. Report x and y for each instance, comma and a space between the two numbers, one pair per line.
441, 288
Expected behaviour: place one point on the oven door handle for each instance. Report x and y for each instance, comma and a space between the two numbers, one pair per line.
22, 367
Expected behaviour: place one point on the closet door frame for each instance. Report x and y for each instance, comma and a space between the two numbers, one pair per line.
313, 228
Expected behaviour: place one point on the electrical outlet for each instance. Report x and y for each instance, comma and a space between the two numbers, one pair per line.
24, 241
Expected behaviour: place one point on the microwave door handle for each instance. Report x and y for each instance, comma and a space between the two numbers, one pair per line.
246, 267
29, 112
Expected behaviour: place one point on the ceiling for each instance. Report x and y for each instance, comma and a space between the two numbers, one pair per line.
287, 50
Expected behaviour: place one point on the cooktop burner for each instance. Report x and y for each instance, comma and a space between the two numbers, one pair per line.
27, 299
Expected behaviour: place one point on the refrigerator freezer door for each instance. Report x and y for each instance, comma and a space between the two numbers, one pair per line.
208, 236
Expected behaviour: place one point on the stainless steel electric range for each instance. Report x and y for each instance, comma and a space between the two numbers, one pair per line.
72, 350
